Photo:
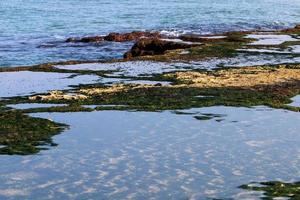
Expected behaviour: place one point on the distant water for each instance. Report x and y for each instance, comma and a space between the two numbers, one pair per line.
33, 31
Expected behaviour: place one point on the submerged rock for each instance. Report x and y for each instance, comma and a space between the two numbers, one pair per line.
199, 38
21, 134
117, 37
155, 46
297, 26
296, 30
86, 39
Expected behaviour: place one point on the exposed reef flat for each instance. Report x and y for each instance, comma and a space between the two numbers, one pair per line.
245, 86
272, 86
158, 73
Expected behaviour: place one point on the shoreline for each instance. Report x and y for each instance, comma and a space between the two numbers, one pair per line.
173, 89
237, 38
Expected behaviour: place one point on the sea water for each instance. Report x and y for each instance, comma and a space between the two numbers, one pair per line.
33, 32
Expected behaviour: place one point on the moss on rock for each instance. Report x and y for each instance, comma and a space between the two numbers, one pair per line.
23, 135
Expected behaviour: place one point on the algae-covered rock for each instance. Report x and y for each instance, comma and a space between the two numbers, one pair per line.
116, 37
135, 35
21, 134
275, 189
58, 95
154, 46
86, 39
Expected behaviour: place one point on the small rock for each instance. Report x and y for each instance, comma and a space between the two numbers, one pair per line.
86, 39
135, 35
155, 46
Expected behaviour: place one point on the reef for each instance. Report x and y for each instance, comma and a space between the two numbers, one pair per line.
159, 47
269, 85
247, 86
156, 46
117, 37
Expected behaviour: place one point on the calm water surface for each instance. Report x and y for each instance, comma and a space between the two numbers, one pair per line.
144, 155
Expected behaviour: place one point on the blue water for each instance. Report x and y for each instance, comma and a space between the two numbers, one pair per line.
33, 32
118, 155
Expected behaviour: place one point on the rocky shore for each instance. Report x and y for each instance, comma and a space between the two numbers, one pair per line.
117, 37
155, 43
271, 85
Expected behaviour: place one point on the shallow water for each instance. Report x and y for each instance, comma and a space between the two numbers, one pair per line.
130, 68
295, 49
134, 155
33, 105
147, 68
32, 32
296, 101
27, 83
269, 39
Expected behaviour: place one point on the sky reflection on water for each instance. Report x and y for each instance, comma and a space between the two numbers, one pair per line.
159, 155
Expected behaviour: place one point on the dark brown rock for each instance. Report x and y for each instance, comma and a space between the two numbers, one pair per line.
72, 39
295, 30
92, 39
154, 46
117, 37
86, 39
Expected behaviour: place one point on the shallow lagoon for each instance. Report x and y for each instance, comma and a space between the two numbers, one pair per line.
27, 82
134, 155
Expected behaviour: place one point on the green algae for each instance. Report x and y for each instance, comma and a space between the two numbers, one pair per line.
50, 67
172, 98
70, 108
183, 97
216, 50
226, 47
275, 189
203, 118
24, 135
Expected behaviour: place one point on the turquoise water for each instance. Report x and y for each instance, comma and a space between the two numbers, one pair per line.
33, 32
